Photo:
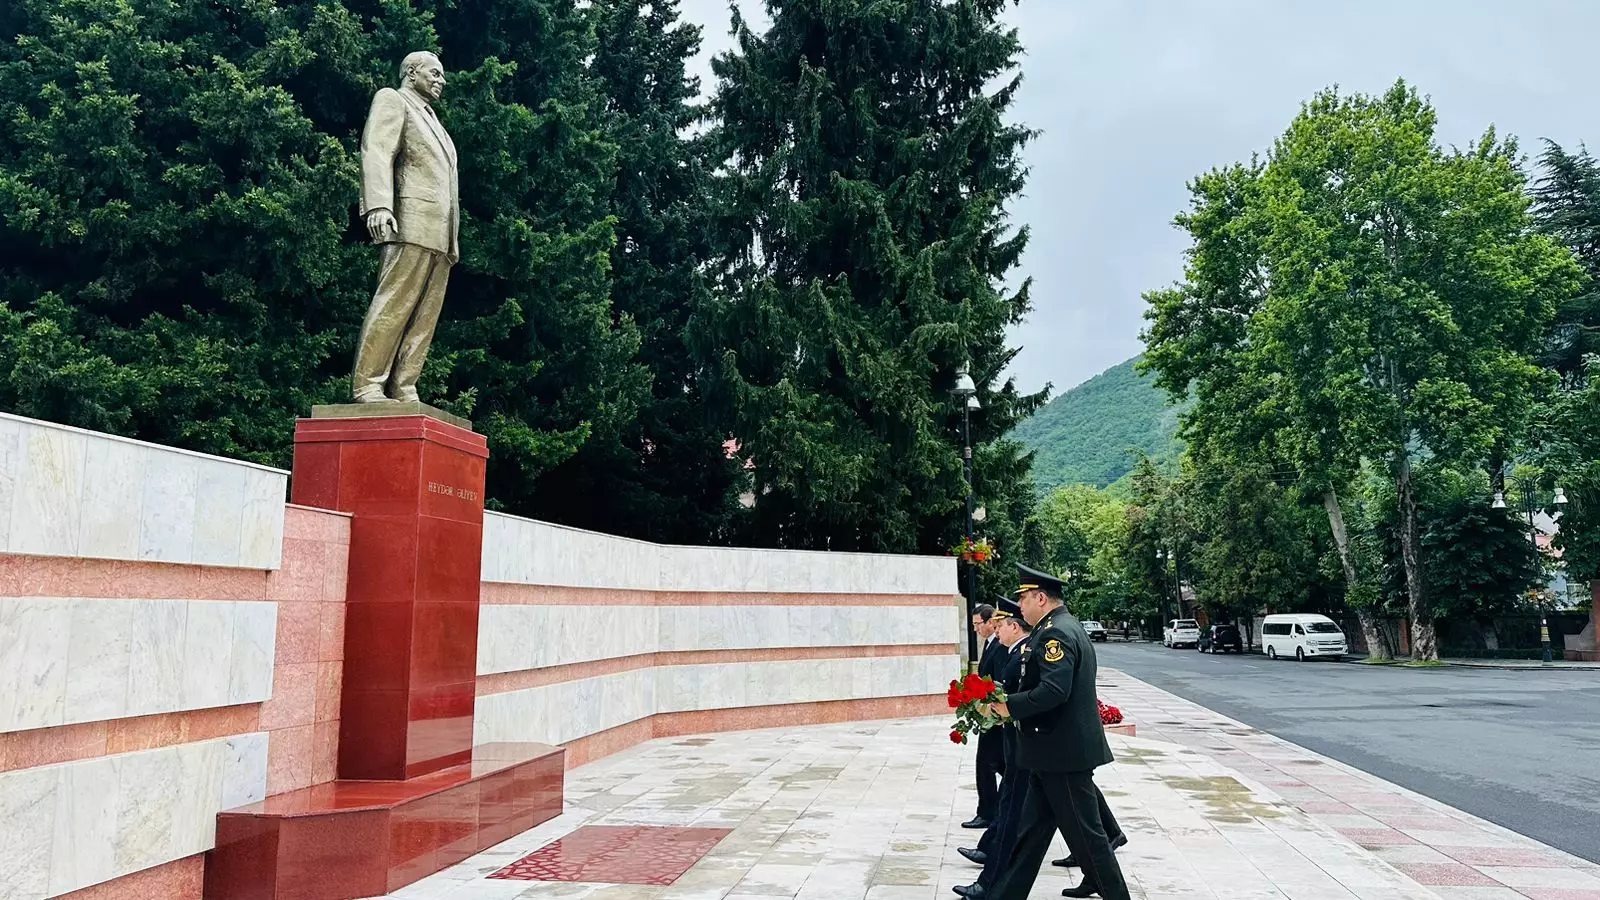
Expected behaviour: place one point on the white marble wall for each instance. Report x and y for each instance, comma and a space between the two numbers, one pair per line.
69, 492
71, 825
523, 551
516, 637
84, 659
563, 712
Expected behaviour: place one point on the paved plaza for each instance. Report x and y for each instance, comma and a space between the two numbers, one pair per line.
870, 811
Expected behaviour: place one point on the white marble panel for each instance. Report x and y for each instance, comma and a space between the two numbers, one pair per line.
99, 653
219, 514
89, 659
261, 522
13, 451
64, 827
47, 511
83, 849
523, 551
113, 479
244, 769
155, 672
34, 638
563, 712
255, 638
27, 830
207, 654
69, 492
166, 521
149, 785
200, 789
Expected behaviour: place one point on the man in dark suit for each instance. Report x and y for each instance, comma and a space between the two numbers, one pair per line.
990, 757
995, 849
1060, 741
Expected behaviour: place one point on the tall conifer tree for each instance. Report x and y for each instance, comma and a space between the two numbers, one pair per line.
869, 161
663, 475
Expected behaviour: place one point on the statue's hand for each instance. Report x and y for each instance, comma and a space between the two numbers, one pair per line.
381, 225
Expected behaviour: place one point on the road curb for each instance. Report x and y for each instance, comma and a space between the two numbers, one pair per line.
1540, 667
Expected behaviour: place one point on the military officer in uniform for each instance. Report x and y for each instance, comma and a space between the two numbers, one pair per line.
1060, 741
998, 842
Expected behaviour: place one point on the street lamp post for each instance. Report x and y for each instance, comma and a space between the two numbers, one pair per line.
1161, 557
967, 392
1528, 488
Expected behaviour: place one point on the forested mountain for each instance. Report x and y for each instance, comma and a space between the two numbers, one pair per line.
1089, 434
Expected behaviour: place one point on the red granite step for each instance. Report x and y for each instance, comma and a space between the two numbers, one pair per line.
349, 839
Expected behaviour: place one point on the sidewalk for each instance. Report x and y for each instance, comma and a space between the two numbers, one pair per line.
1460, 856
1519, 664
870, 811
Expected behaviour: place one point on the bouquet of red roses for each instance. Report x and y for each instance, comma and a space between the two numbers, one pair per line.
1109, 715
968, 697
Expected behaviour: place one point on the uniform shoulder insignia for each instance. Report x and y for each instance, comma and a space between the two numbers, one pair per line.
1025, 649
1052, 651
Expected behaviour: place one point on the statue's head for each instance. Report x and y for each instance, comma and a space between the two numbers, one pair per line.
423, 73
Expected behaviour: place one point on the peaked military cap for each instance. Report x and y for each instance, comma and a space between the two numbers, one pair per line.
1035, 580
1007, 608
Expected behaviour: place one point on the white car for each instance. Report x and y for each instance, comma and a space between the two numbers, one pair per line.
1302, 636
1095, 630
1181, 633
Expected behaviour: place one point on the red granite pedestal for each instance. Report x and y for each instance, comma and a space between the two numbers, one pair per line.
349, 839
413, 794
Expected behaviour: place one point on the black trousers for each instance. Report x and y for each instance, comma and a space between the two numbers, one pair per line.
1002, 836
1068, 801
991, 762
1108, 822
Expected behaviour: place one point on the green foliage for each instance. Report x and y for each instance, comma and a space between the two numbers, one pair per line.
1093, 433
1479, 561
662, 475
1362, 295
1255, 551
1567, 207
869, 164
178, 252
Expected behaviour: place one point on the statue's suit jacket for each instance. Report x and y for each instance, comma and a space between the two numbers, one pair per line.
408, 166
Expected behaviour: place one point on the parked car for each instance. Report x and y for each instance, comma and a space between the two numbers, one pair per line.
1181, 633
1095, 630
1303, 636
1221, 639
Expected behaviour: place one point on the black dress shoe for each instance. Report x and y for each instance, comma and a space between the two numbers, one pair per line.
977, 822
1082, 890
973, 891
1071, 862
977, 856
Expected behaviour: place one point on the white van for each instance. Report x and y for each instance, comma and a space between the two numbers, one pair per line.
1302, 636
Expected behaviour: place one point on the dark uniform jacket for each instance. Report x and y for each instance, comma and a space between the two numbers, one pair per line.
1058, 719
1011, 682
991, 658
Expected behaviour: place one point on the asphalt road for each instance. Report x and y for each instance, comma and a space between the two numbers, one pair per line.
1519, 748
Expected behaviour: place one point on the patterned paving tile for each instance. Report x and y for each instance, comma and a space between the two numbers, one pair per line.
617, 854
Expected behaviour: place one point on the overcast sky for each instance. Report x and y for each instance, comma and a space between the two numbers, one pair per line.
1135, 97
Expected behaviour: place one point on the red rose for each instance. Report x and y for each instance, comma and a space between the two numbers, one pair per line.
957, 737
974, 686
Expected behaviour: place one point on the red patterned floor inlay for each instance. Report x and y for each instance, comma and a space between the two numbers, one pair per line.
617, 854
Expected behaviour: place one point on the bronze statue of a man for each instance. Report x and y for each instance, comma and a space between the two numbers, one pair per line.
411, 201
